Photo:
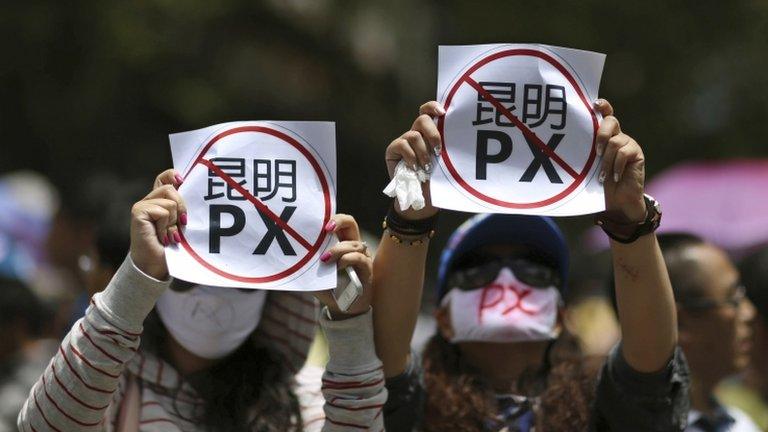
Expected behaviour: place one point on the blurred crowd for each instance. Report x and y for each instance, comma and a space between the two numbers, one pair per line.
685, 77
59, 247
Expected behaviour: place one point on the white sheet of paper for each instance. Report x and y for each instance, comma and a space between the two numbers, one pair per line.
288, 169
488, 163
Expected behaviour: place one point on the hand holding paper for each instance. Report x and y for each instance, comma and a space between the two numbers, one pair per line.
410, 160
520, 130
155, 222
349, 253
259, 195
623, 167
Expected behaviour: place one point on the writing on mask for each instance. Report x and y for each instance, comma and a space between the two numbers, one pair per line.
504, 297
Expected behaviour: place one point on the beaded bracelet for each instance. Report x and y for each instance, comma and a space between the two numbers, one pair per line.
422, 229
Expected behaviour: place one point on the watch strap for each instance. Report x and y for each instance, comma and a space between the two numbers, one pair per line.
618, 228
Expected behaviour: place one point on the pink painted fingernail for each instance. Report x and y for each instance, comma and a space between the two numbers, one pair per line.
440, 110
165, 240
598, 102
176, 237
179, 179
325, 256
330, 226
183, 218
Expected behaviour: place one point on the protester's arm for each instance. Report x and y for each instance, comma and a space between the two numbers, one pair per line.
644, 384
628, 400
353, 381
77, 387
399, 275
645, 303
398, 269
406, 396
643, 291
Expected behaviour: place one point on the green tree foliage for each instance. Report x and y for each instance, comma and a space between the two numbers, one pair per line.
97, 85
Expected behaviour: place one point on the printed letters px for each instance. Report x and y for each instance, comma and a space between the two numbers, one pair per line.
536, 105
270, 178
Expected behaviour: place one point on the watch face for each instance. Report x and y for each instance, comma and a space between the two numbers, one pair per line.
656, 205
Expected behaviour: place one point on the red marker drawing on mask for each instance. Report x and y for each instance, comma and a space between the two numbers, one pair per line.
519, 294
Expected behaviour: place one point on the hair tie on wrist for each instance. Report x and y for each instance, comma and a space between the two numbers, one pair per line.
399, 227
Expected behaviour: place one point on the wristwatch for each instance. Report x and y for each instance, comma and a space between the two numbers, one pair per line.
617, 227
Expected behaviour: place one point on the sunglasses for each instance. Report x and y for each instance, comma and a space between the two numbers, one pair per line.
529, 272
734, 301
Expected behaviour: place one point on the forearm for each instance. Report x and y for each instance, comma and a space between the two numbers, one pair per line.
77, 387
405, 398
398, 269
398, 278
353, 382
645, 303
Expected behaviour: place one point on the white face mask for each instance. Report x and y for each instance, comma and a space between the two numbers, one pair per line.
211, 322
506, 310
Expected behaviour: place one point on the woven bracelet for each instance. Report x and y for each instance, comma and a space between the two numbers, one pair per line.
399, 227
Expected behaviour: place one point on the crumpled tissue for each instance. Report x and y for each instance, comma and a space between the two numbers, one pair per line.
406, 186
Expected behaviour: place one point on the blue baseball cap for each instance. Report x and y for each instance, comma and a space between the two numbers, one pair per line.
538, 233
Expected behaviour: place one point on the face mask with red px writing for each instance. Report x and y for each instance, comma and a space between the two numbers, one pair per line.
506, 310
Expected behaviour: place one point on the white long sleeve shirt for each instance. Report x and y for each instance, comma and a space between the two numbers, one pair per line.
83, 387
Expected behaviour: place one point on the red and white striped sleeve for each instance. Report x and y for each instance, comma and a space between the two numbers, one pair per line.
78, 385
353, 382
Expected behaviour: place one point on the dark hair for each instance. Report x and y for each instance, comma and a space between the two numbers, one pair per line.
684, 274
249, 390
113, 227
572, 377
83, 202
754, 275
19, 303
460, 399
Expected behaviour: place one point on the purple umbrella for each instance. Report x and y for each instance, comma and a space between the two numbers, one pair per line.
725, 202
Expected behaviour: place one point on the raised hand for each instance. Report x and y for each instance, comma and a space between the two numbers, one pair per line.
351, 251
416, 147
623, 169
155, 223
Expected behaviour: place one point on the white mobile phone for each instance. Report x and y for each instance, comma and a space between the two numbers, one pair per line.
346, 295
